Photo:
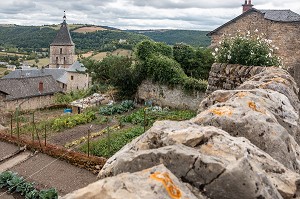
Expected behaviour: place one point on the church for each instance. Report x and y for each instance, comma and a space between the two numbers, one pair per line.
62, 49
35, 88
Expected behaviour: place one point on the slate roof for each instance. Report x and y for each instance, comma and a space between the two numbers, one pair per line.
76, 67
273, 15
63, 37
56, 73
20, 88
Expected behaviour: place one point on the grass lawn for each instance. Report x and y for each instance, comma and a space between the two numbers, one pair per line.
42, 62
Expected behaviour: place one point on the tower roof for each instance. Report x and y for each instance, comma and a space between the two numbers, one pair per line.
63, 36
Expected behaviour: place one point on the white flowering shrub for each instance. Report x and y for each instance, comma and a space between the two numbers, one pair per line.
247, 50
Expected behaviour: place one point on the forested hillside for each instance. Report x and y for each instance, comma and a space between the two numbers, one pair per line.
171, 37
31, 38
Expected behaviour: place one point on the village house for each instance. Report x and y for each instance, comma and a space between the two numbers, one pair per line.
282, 27
68, 79
27, 93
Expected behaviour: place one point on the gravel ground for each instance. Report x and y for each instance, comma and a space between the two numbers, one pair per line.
48, 172
7, 149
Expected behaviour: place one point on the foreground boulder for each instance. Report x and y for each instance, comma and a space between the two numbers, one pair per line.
157, 182
265, 117
211, 161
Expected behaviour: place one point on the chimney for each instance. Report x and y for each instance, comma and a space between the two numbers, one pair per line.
41, 87
247, 5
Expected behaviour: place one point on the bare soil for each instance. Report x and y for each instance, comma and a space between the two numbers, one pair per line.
48, 172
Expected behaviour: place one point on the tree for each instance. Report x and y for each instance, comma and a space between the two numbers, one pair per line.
145, 49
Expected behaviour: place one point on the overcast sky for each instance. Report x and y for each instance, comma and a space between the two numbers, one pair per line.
133, 14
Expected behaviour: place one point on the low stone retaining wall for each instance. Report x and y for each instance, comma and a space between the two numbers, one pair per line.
172, 97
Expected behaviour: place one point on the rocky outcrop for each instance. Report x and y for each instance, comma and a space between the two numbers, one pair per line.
157, 182
207, 158
243, 143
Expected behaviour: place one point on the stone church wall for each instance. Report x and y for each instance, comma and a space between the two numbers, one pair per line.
61, 56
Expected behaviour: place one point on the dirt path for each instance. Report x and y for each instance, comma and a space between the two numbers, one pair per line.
75, 133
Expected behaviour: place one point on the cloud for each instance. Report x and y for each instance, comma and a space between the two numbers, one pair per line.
128, 14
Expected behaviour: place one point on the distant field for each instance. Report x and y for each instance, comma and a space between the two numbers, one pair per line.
42, 62
5, 53
2, 71
57, 26
121, 52
88, 29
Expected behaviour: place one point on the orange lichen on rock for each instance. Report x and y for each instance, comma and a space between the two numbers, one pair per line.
241, 94
253, 106
280, 80
165, 179
220, 111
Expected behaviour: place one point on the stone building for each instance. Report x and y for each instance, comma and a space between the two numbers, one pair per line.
69, 79
282, 27
62, 49
27, 93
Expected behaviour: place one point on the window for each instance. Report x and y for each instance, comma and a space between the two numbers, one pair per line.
72, 77
56, 60
64, 60
60, 50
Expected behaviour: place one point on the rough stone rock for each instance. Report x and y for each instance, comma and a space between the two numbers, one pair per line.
251, 114
209, 159
157, 182
275, 79
277, 103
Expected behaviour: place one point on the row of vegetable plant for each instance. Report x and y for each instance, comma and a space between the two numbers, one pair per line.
17, 184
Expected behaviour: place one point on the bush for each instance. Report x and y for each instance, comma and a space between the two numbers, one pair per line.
247, 50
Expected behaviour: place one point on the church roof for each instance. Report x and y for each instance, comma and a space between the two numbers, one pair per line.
20, 88
76, 67
273, 15
56, 73
63, 36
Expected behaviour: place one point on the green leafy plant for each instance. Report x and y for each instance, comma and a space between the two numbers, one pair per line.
73, 120
108, 146
48, 194
124, 106
247, 50
34, 194
5, 177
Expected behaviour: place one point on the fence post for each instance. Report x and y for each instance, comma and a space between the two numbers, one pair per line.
88, 142
11, 124
33, 128
45, 134
18, 127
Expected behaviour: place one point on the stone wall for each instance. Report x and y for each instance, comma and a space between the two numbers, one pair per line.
77, 81
62, 56
229, 76
172, 97
29, 104
283, 35
243, 143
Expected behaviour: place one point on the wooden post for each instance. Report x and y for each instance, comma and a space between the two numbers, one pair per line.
88, 141
144, 120
18, 127
108, 140
33, 128
11, 124
45, 134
